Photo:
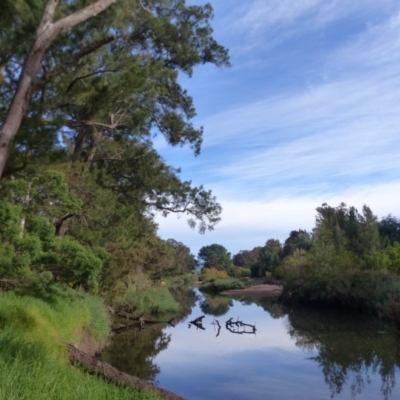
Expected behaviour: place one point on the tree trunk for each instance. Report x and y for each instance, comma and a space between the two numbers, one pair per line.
25, 202
46, 33
82, 135
62, 224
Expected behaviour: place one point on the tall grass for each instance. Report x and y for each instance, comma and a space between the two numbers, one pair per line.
33, 359
154, 300
143, 296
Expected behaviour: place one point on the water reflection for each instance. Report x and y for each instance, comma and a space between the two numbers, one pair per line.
319, 353
215, 305
350, 348
134, 351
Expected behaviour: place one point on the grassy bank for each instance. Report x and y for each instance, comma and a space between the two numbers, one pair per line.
33, 358
143, 296
219, 285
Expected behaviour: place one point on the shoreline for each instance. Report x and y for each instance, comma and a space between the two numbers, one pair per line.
272, 291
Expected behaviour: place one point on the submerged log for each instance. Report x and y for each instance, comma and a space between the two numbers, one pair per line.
109, 372
198, 323
239, 327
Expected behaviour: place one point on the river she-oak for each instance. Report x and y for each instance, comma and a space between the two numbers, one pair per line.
295, 353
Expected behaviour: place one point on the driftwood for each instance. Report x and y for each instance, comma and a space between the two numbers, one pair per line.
198, 323
239, 327
107, 371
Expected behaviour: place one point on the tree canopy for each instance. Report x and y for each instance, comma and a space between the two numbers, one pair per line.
214, 256
85, 88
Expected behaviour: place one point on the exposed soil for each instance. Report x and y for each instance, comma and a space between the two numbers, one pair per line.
258, 290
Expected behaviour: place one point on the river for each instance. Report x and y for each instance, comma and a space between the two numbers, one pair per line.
293, 353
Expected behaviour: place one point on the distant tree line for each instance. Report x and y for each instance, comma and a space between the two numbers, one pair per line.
350, 257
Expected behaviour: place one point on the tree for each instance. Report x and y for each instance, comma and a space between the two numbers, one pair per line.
95, 97
246, 258
214, 256
297, 240
268, 258
48, 30
389, 229
108, 86
184, 261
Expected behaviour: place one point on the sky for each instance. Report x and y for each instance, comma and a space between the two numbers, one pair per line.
309, 113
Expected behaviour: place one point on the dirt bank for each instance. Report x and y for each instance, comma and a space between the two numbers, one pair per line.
258, 290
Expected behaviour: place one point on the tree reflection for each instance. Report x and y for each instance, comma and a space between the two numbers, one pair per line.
134, 351
346, 357
215, 305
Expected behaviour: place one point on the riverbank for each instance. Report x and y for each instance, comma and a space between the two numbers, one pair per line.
34, 360
272, 291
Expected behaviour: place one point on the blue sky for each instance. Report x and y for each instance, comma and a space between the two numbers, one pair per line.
308, 113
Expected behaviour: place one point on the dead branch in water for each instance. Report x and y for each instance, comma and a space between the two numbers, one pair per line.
198, 323
239, 327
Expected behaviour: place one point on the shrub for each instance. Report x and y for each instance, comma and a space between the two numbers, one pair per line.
213, 273
219, 285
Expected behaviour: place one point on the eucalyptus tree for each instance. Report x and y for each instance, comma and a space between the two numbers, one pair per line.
98, 80
85, 87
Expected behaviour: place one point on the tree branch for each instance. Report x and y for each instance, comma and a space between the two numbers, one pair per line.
70, 62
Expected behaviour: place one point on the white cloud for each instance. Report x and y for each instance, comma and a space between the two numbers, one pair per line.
334, 138
247, 224
269, 22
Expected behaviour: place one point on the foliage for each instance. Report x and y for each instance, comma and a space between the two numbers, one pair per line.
389, 230
83, 173
143, 297
239, 272
32, 255
268, 258
246, 258
212, 273
297, 240
214, 256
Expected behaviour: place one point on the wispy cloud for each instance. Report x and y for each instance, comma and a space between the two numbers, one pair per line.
342, 127
269, 22
332, 137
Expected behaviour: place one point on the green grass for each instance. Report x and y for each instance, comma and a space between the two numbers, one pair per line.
152, 301
33, 358
219, 285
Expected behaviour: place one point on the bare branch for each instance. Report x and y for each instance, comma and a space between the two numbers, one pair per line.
145, 8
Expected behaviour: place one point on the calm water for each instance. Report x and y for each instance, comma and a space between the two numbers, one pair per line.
296, 353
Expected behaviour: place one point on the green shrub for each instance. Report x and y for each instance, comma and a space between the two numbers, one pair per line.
210, 273
219, 285
239, 272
